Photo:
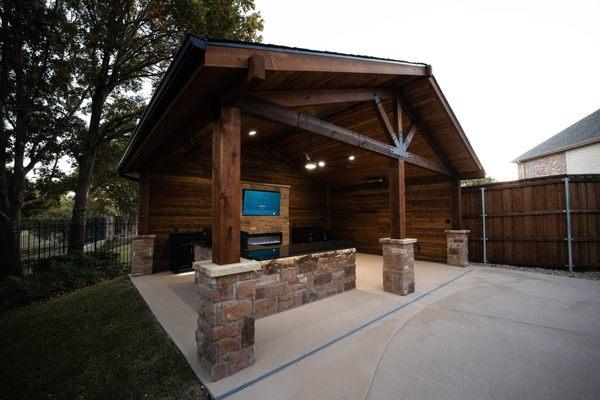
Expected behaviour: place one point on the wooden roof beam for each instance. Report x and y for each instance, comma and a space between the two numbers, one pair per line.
315, 97
263, 109
255, 74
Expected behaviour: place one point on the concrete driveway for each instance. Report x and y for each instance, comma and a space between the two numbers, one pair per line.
466, 333
497, 335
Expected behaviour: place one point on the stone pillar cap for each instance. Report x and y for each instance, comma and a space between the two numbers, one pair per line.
397, 241
212, 270
457, 231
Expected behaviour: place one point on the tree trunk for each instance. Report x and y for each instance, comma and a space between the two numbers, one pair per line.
13, 188
84, 183
87, 158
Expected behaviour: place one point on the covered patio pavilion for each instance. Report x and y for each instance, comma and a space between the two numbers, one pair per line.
363, 153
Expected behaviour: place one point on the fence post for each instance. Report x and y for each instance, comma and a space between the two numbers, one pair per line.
484, 238
569, 234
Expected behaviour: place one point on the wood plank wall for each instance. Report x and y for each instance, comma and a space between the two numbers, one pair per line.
180, 195
361, 213
526, 222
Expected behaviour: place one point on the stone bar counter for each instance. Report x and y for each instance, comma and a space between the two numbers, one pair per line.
267, 281
291, 276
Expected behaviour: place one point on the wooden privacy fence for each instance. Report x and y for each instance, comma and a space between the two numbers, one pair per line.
526, 221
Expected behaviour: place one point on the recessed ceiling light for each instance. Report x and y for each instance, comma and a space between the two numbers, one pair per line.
351, 158
321, 163
310, 165
252, 133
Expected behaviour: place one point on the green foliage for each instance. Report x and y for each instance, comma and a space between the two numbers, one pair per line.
121, 46
57, 276
38, 99
100, 342
478, 181
52, 210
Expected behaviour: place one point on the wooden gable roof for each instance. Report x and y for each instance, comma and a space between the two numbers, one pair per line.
178, 116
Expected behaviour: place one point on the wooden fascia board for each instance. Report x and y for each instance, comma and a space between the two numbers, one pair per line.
232, 56
150, 142
446, 106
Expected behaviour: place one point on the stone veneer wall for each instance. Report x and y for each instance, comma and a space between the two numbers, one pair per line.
458, 247
228, 304
293, 281
225, 335
269, 223
552, 164
142, 256
398, 265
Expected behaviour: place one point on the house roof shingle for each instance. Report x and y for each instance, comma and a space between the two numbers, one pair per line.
584, 131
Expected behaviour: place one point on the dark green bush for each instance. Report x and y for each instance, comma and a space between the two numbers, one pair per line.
56, 276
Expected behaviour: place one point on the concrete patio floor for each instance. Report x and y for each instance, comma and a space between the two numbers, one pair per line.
464, 334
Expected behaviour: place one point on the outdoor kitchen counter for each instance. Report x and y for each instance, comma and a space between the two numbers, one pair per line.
293, 250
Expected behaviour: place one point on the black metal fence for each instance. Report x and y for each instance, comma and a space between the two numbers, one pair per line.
25, 245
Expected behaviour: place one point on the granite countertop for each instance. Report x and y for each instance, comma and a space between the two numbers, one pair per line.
298, 249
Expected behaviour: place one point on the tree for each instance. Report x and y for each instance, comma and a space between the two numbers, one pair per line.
478, 181
122, 44
38, 101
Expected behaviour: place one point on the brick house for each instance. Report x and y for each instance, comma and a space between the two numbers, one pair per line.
575, 150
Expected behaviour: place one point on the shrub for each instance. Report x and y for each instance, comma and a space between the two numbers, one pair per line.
56, 276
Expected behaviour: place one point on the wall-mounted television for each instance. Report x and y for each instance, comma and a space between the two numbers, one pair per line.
260, 202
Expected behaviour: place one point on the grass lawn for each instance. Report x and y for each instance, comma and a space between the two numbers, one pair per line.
100, 342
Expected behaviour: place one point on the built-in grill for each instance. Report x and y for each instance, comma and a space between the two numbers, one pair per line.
181, 250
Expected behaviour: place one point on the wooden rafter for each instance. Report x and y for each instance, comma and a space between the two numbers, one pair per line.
385, 122
255, 73
409, 135
266, 110
428, 138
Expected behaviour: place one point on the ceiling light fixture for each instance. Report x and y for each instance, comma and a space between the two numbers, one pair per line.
252, 133
351, 158
321, 163
310, 165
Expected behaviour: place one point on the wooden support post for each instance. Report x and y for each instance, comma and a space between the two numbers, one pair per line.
397, 204
456, 204
396, 182
328, 208
226, 191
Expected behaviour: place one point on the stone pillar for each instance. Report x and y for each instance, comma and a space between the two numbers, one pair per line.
142, 258
457, 247
398, 265
225, 335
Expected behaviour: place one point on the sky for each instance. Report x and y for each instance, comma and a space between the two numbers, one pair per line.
515, 72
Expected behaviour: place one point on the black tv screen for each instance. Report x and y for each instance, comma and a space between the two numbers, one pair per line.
260, 202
